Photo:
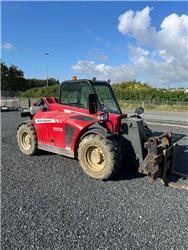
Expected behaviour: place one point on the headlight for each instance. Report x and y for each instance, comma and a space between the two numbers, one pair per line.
103, 117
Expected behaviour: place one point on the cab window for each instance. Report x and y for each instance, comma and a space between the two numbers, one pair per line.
106, 98
75, 94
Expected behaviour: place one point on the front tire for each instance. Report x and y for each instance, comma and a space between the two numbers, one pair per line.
98, 156
27, 139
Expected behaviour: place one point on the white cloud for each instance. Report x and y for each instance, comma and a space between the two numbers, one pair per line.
170, 43
7, 46
102, 71
160, 73
159, 57
137, 24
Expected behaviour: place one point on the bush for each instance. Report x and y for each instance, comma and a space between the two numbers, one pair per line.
143, 92
52, 90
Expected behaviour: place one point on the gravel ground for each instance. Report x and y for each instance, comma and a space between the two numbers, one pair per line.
48, 203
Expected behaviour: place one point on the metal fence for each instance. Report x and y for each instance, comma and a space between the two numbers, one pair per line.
154, 105
155, 102
13, 99
16, 102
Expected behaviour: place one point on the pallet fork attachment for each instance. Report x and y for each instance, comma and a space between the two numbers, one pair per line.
160, 160
169, 166
169, 161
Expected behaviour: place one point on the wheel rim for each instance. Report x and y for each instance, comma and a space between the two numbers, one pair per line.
25, 140
95, 158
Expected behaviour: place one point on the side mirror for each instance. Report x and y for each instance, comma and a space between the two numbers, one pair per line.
92, 103
139, 110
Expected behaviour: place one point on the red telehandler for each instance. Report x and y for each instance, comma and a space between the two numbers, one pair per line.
87, 123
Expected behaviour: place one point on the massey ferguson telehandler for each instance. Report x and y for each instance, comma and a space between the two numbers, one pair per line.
87, 123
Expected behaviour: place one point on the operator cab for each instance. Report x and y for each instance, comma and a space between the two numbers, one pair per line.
89, 94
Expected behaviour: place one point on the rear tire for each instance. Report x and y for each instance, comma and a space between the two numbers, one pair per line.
98, 156
27, 139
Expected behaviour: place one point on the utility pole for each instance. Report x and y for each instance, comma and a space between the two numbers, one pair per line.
46, 54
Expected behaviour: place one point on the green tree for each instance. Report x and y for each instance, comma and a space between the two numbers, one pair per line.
12, 78
4, 76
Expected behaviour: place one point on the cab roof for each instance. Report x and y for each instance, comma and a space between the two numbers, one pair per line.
85, 80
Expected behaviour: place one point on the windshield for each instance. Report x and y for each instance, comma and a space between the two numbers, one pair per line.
106, 97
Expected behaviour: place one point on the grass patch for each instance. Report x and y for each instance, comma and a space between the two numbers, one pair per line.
172, 106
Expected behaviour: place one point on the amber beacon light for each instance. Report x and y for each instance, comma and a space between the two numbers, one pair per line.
74, 78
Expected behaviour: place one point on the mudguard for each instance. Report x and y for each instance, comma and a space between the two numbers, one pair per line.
25, 122
94, 128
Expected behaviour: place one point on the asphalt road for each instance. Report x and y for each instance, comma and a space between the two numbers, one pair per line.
164, 116
48, 203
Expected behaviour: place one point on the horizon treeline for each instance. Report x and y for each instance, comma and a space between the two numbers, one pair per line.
12, 79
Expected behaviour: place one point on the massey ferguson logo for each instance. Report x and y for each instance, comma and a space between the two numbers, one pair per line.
44, 120
58, 129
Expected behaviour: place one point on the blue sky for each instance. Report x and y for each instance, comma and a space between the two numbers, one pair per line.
83, 39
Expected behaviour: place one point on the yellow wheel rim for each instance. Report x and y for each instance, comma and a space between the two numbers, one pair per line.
25, 140
95, 158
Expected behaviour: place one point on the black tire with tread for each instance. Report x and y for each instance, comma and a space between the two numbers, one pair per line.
29, 128
110, 150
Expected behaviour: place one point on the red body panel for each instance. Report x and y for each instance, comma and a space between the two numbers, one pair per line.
60, 126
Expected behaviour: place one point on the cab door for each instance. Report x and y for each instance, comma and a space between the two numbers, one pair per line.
75, 97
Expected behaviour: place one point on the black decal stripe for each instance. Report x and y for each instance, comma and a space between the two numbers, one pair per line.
83, 118
69, 133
